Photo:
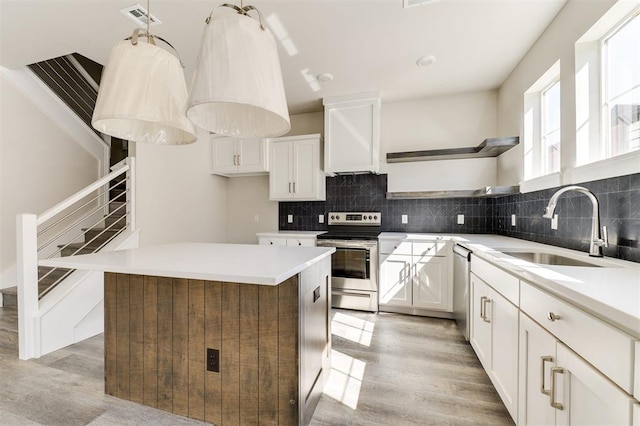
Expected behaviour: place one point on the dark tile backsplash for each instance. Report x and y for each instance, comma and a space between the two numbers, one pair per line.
619, 210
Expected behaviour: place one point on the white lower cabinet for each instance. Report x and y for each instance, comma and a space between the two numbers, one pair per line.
494, 337
558, 387
410, 279
288, 241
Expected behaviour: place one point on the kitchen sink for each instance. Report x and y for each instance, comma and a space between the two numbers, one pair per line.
549, 259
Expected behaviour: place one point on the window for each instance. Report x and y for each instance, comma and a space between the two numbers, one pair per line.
621, 89
542, 125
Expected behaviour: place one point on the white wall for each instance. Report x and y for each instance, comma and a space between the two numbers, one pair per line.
556, 43
40, 165
178, 199
453, 121
249, 196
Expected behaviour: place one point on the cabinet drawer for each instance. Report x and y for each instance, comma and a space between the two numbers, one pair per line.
395, 247
504, 283
604, 346
272, 241
429, 248
305, 242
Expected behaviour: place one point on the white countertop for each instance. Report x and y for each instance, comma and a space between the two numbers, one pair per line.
611, 292
290, 234
240, 263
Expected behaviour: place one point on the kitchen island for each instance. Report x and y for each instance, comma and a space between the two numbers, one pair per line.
225, 333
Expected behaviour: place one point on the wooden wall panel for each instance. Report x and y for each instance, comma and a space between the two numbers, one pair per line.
288, 351
230, 354
150, 373
110, 332
122, 330
249, 380
213, 340
197, 365
136, 338
165, 344
157, 331
268, 355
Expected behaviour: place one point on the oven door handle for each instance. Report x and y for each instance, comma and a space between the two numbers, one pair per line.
347, 293
347, 244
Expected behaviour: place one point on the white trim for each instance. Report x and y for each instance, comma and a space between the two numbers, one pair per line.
551, 180
620, 165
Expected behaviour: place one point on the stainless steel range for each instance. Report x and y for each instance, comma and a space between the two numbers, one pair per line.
354, 265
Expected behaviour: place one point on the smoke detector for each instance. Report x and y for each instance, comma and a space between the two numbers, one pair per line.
413, 3
138, 14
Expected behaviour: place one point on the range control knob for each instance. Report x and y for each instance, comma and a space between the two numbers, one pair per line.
337, 217
370, 217
332, 217
375, 217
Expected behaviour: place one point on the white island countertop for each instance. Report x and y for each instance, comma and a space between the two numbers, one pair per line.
239, 263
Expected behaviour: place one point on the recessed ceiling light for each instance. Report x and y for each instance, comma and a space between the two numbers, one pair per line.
324, 77
425, 61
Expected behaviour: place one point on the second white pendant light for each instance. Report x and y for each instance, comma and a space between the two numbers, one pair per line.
237, 87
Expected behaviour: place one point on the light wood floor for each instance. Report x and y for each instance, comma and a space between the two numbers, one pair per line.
387, 370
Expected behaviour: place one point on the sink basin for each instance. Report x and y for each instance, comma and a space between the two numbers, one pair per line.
549, 259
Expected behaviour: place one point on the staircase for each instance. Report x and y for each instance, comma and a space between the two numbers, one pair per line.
94, 239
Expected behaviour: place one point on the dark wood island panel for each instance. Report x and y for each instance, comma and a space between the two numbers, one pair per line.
158, 330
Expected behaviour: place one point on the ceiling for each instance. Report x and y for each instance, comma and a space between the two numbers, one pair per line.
366, 44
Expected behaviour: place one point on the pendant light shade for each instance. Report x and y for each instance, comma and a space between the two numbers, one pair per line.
237, 87
143, 96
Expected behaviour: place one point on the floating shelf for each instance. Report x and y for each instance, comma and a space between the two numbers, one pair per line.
490, 147
486, 192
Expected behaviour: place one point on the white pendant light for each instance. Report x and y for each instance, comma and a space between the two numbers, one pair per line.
143, 94
237, 87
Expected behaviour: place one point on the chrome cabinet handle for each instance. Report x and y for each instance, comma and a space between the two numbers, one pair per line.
543, 360
289, 187
552, 391
553, 317
483, 308
482, 299
294, 187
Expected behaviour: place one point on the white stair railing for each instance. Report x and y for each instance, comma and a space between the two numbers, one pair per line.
56, 232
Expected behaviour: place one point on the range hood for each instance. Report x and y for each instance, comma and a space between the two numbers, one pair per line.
485, 192
490, 147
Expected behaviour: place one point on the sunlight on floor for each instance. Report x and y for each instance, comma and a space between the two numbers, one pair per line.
351, 328
345, 379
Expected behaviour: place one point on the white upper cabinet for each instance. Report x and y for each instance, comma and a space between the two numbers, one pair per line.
296, 174
352, 133
239, 157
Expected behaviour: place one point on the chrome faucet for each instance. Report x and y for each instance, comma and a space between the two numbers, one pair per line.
597, 240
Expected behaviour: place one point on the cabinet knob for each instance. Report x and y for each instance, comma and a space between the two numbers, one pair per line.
552, 317
271, 242
292, 401
299, 243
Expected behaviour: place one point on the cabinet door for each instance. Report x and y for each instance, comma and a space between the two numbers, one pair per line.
586, 396
504, 349
223, 155
395, 280
251, 156
280, 182
537, 357
305, 169
430, 282
480, 326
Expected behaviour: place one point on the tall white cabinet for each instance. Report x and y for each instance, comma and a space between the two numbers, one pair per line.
296, 174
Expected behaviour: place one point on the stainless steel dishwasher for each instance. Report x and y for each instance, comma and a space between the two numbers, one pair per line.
461, 259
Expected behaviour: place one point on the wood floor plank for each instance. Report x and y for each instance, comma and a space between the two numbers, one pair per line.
181, 346
122, 350
268, 356
230, 354
150, 379
110, 332
197, 350
288, 351
249, 392
165, 343
136, 338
